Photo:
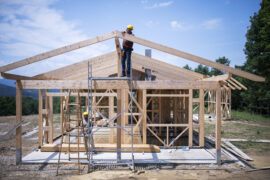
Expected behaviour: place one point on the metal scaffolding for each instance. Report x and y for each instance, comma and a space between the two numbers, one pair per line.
91, 130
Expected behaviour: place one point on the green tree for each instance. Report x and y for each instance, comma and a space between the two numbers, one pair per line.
257, 50
202, 69
187, 67
221, 60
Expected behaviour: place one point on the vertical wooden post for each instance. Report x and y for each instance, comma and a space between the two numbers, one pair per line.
40, 118
118, 139
218, 126
46, 135
124, 114
201, 118
61, 111
18, 119
51, 120
160, 112
111, 113
190, 118
167, 135
144, 108
230, 103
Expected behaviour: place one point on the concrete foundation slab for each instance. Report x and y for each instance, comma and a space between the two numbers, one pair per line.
192, 156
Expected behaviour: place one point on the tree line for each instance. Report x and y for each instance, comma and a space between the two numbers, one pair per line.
257, 50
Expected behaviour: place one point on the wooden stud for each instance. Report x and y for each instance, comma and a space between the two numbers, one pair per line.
119, 131
40, 118
46, 133
190, 118
144, 110
218, 126
201, 118
18, 120
51, 120
111, 115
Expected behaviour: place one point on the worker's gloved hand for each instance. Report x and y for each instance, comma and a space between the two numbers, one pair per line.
123, 31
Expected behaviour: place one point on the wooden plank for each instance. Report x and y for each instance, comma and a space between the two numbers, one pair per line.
118, 131
167, 125
218, 125
235, 85
111, 115
167, 95
137, 147
190, 118
62, 116
124, 105
191, 57
179, 135
18, 120
118, 51
51, 119
230, 86
46, 133
160, 140
57, 51
218, 78
144, 108
40, 118
238, 151
240, 84
247, 140
118, 84
61, 94
160, 66
16, 77
201, 118
70, 71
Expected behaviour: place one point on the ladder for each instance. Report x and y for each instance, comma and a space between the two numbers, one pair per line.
91, 129
73, 131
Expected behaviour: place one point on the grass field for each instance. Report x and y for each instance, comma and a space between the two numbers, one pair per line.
245, 125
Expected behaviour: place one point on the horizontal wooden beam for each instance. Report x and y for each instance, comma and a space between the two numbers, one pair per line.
118, 84
76, 94
57, 51
101, 147
17, 77
191, 57
167, 95
167, 125
218, 78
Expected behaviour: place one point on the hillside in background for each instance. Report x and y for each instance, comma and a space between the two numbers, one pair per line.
6, 90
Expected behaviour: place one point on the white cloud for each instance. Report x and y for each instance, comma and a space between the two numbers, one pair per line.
212, 23
159, 5
176, 25
31, 27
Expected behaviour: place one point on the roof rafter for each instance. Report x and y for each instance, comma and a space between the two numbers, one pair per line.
57, 51
191, 57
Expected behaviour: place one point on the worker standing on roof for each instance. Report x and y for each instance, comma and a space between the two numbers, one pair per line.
126, 52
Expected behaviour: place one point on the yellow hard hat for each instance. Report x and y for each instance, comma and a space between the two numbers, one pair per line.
85, 113
130, 27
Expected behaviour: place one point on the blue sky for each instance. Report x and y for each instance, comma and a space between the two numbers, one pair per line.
208, 28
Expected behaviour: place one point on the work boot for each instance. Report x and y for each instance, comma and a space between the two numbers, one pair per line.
123, 75
128, 75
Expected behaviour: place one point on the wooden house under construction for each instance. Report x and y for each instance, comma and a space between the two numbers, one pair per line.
165, 97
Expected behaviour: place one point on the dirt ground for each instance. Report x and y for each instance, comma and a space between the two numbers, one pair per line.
8, 169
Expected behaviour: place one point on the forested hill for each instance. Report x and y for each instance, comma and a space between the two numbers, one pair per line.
11, 91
